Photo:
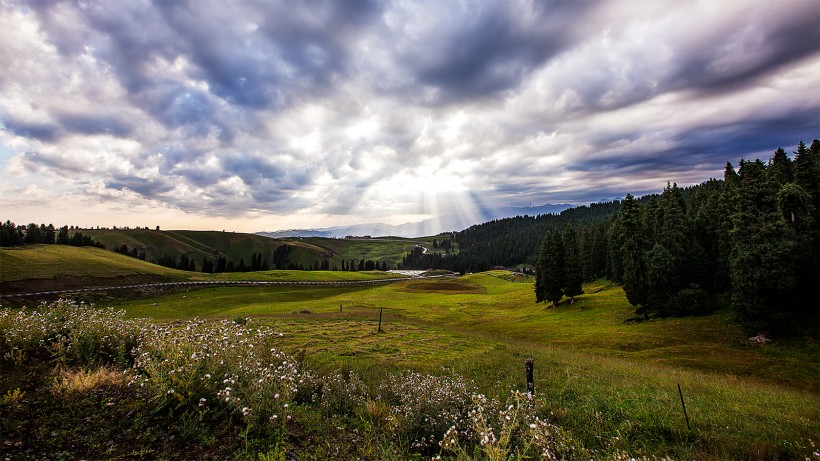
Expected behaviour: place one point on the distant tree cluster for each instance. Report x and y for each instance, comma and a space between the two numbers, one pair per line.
516, 241
13, 235
221, 264
133, 252
364, 265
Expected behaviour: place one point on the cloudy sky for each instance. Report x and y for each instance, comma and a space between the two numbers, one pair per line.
265, 115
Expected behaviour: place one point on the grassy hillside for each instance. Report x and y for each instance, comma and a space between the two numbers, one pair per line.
388, 249
305, 251
51, 261
196, 244
55, 267
606, 380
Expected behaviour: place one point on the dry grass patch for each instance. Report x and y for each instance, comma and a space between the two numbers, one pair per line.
78, 381
444, 287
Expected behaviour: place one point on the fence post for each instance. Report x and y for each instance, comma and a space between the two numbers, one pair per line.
380, 319
684, 407
528, 364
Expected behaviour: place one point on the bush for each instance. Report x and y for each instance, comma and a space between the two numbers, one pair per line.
68, 333
424, 407
690, 301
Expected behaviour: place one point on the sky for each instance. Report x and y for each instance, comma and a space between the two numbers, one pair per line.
266, 115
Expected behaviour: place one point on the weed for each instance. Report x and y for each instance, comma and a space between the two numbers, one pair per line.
13, 398
77, 381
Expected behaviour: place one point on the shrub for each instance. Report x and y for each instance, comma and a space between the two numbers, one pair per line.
69, 333
425, 407
690, 301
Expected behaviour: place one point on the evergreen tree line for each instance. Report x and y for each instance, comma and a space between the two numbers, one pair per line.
133, 252
754, 234
13, 235
516, 241
363, 265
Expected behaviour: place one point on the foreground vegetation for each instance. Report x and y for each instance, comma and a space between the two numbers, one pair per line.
604, 388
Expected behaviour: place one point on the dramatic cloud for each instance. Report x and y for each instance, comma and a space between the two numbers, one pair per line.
259, 115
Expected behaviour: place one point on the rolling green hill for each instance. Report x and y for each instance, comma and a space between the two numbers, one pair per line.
195, 244
387, 249
50, 261
235, 246
47, 268
71, 265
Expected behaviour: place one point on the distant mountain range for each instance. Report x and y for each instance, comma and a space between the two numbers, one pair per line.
432, 226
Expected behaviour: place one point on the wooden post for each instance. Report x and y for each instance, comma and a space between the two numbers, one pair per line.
684, 408
380, 319
340, 308
528, 364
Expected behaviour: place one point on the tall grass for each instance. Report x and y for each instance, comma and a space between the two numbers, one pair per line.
208, 373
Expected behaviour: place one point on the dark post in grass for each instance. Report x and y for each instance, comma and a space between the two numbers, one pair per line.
684, 408
380, 319
340, 308
528, 364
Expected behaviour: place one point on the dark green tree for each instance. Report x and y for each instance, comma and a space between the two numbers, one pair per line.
661, 280
572, 265
631, 251
761, 265
32, 234
780, 169
549, 275
48, 233
62, 236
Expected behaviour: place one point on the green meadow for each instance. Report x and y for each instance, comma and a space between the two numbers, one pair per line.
44, 262
60, 261
610, 381
607, 379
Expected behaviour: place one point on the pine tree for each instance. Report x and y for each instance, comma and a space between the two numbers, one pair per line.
800, 205
549, 276
572, 265
780, 169
762, 247
32, 234
48, 233
541, 270
632, 250
62, 236
661, 280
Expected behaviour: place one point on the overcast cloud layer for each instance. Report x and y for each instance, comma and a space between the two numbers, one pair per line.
267, 115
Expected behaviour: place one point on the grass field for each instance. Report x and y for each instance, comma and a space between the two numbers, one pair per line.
62, 262
610, 382
50, 261
603, 377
